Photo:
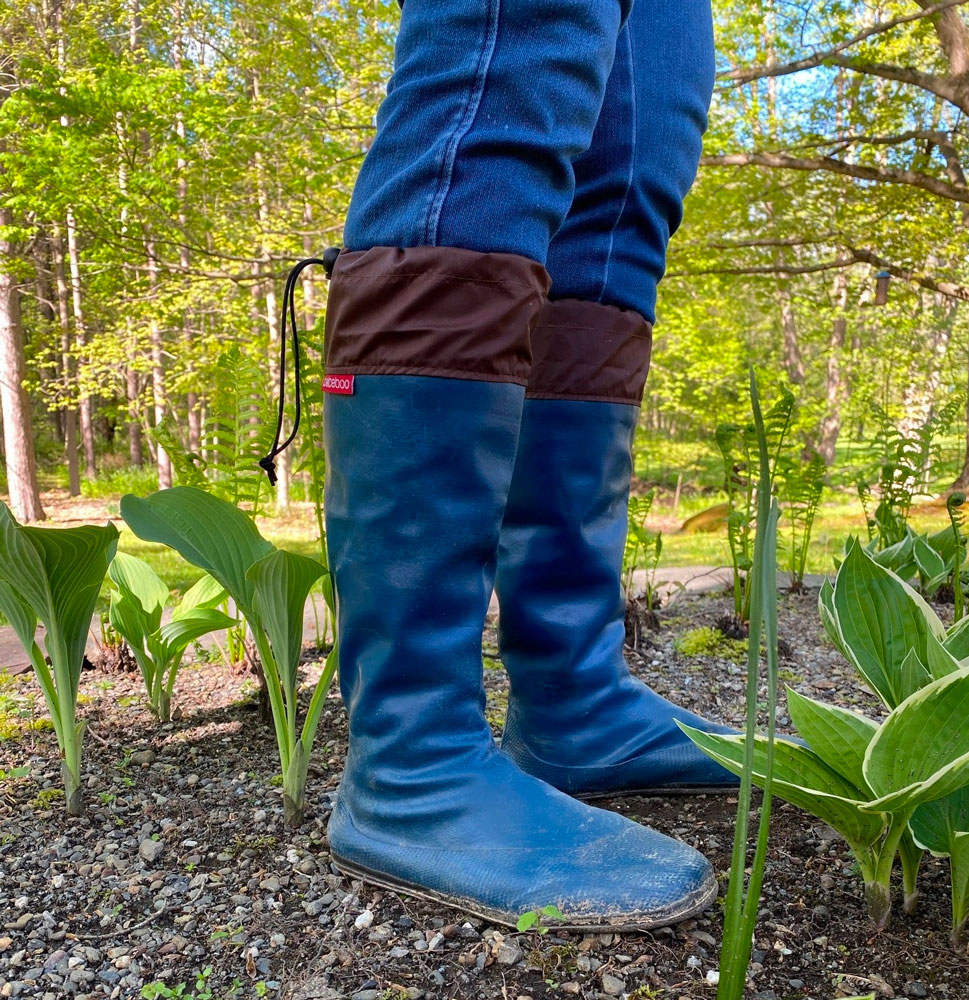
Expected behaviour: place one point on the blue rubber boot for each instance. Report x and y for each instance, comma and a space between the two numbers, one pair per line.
576, 718
418, 473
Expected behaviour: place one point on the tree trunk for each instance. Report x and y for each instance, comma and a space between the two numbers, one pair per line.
67, 365
184, 258
80, 331
18, 436
157, 372
836, 381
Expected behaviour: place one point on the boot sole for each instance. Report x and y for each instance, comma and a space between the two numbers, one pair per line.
676, 791
685, 908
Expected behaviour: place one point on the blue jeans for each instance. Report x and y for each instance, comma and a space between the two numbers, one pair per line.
566, 131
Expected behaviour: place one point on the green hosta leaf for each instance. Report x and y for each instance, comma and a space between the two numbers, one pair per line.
829, 617
69, 569
838, 736
22, 566
208, 532
957, 640
19, 614
282, 582
206, 593
130, 621
939, 660
930, 565
880, 619
911, 677
936, 825
942, 827
921, 751
896, 557
943, 543
137, 580
803, 779
173, 638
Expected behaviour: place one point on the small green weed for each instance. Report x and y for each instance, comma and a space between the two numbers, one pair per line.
707, 641
46, 798
532, 919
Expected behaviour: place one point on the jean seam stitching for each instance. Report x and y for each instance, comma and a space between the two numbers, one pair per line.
632, 167
467, 120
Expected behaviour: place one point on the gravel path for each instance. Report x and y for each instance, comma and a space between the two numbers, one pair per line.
182, 863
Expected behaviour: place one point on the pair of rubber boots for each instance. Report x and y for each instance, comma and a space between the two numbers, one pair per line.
443, 482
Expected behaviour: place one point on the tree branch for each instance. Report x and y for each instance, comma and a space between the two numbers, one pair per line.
952, 89
947, 288
882, 175
819, 58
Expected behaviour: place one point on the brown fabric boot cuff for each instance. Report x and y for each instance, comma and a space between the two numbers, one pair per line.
439, 311
589, 351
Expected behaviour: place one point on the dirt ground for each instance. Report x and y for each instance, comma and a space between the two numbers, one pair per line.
182, 875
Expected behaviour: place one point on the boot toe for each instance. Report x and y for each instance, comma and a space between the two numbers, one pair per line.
612, 872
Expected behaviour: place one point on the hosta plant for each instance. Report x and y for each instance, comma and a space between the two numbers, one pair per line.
54, 575
269, 587
894, 640
136, 614
942, 827
868, 781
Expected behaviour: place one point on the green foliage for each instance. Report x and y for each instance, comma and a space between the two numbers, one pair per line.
238, 432
125, 480
738, 445
136, 613
955, 508
54, 575
868, 781
801, 485
893, 788
907, 456
269, 587
743, 892
643, 547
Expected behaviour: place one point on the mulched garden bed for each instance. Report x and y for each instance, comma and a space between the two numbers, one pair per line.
182, 863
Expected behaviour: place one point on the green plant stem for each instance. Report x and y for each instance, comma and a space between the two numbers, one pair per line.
910, 855
741, 913
284, 724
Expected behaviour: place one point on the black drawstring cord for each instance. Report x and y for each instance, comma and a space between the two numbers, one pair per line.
268, 462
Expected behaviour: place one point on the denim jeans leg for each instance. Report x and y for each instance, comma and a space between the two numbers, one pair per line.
490, 103
631, 182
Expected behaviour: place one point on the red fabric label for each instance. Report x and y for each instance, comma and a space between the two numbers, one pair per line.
342, 385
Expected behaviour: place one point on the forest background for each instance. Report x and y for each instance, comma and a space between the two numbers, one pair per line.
163, 163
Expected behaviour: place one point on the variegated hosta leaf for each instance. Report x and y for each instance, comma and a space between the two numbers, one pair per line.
931, 567
829, 617
940, 661
802, 778
921, 751
880, 618
957, 640
942, 827
936, 825
838, 736
912, 676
